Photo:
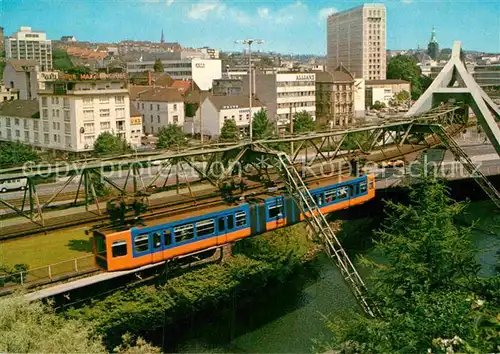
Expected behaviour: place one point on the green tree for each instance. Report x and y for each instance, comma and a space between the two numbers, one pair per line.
402, 96
33, 327
229, 131
158, 66
404, 67
107, 143
15, 153
78, 70
303, 123
261, 126
170, 136
378, 105
427, 289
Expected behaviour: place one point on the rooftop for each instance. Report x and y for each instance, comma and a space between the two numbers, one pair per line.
20, 65
161, 94
386, 82
20, 108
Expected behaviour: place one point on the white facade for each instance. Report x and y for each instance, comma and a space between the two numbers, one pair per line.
157, 114
7, 94
284, 95
359, 97
214, 118
201, 71
28, 44
383, 95
357, 39
72, 117
136, 130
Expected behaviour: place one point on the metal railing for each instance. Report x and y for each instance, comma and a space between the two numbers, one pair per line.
47, 274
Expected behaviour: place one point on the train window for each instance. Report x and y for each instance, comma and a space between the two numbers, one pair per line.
362, 187
157, 239
167, 238
222, 226
119, 248
275, 210
319, 199
184, 232
230, 222
343, 192
371, 185
241, 218
141, 243
205, 227
100, 244
330, 195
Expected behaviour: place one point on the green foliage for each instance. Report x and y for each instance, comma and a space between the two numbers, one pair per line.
15, 154
78, 70
158, 66
107, 143
190, 109
427, 288
405, 67
303, 123
170, 136
11, 274
229, 131
33, 327
378, 105
402, 96
255, 262
61, 60
262, 128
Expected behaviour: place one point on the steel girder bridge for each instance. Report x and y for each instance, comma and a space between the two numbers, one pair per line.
289, 158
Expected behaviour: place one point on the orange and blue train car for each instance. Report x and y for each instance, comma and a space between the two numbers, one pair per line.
187, 233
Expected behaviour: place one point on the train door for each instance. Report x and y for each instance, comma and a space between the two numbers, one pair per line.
275, 214
221, 229
157, 246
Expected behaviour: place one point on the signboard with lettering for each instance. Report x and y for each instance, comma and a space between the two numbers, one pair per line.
306, 77
94, 76
48, 76
200, 65
135, 121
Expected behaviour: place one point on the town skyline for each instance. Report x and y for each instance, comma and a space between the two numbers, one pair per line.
288, 27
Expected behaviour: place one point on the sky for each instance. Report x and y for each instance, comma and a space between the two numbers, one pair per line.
286, 26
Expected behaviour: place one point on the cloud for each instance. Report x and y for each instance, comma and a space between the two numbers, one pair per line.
324, 13
170, 2
201, 10
263, 12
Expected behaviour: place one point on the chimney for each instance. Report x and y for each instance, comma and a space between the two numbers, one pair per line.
149, 78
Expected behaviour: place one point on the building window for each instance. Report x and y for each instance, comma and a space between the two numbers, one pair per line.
119, 100
152, 119
46, 138
57, 100
175, 107
150, 106
104, 99
18, 133
88, 127
120, 112
142, 105
89, 140
67, 141
88, 114
158, 117
104, 112
25, 123
67, 128
87, 101
45, 113
105, 125
26, 136
138, 105
176, 119
157, 107
45, 126
66, 115
16, 121
44, 101
35, 125
36, 138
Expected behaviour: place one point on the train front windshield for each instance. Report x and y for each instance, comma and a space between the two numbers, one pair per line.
100, 250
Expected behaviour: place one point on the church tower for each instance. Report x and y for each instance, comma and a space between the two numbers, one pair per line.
433, 47
162, 40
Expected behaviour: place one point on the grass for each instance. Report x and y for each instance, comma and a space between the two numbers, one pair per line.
42, 250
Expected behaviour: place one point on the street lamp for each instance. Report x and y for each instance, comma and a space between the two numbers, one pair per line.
250, 42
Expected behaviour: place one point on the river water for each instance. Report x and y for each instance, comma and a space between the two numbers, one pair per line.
290, 319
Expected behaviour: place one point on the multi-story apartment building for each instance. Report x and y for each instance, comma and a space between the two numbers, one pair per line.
71, 114
201, 71
284, 95
357, 39
28, 44
335, 98
215, 110
160, 106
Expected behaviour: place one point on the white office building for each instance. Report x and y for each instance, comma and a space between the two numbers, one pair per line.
159, 107
284, 95
69, 114
356, 38
215, 110
201, 71
30, 45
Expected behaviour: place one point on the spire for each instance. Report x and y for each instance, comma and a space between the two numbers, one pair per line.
433, 35
162, 38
